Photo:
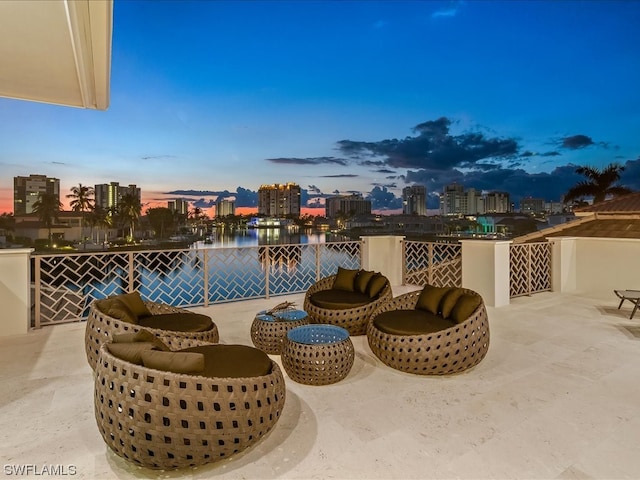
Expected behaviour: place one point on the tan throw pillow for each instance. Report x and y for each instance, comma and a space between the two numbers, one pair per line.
176, 362
134, 302
465, 306
376, 285
141, 336
129, 352
345, 279
362, 280
449, 301
120, 311
430, 298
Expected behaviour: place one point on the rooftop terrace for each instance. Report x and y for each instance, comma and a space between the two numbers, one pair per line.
556, 397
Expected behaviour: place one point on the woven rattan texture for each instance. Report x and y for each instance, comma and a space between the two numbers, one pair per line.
101, 328
354, 320
449, 351
317, 363
164, 420
269, 336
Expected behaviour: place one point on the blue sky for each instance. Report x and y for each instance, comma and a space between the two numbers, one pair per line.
344, 96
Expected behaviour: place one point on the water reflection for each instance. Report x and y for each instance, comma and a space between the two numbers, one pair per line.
253, 237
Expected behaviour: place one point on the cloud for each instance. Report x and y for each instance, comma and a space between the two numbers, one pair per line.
448, 12
309, 161
550, 154
157, 157
434, 147
384, 170
344, 175
576, 141
314, 189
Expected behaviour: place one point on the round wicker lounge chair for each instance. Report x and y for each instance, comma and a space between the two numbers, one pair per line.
354, 320
101, 328
442, 352
164, 420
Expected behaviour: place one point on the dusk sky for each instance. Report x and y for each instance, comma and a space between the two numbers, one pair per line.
342, 96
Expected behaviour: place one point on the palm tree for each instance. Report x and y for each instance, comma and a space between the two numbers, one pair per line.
129, 208
600, 183
48, 208
82, 202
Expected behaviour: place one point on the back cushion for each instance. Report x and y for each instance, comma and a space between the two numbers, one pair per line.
465, 306
119, 310
134, 302
430, 298
345, 279
376, 285
130, 352
362, 280
449, 301
141, 335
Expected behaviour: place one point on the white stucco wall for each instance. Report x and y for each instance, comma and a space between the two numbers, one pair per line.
15, 294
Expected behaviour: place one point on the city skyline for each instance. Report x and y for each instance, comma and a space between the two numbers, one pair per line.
346, 97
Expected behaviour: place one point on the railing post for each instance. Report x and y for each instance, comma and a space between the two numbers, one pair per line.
486, 268
404, 261
267, 270
131, 275
318, 266
529, 269
383, 254
15, 291
430, 264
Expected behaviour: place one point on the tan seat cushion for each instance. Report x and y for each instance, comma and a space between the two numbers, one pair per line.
232, 361
176, 362
411, 322
130, 352
339, 299
178, 322
430, 298
345, 279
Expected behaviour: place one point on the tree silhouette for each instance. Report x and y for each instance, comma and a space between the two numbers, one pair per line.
82, 201
47, 207
129, 209
599, 184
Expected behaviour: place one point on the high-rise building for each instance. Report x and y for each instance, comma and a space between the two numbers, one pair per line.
497, 202
179, 205
456, 201
414, 200
225, 207
350, 205
279, 200
108, 195
26, 191
532, 205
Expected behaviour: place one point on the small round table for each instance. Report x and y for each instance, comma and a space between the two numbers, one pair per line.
317, 354
268, 331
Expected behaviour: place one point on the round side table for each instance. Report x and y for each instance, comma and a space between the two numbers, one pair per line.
269, 331
317, 354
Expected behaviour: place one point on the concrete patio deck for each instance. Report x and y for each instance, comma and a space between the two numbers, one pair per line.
556, 398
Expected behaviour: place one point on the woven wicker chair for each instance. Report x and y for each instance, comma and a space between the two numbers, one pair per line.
444, 352
164, 420
101, 328
354, 320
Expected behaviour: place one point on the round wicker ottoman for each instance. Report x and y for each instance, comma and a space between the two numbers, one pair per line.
268, 331
317, 354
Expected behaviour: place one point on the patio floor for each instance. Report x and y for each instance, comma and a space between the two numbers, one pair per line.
557, 396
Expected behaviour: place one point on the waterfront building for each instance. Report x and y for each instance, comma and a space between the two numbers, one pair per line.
26, 191
497, 202
532, 206
179, 205
108, 195
349, 205
414, 200
279, 200
225, 207
456, 201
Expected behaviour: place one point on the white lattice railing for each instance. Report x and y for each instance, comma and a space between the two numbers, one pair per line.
530, 268
65, 284
430, 263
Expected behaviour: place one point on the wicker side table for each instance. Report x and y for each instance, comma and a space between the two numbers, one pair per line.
317, 354
268, 331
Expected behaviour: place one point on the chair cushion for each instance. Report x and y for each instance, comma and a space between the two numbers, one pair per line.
176, 362
141, 336
362, 280
345, 279
118, 309
430, 298
449, 301
376, 285
465, 306
410, 322
339, 299
134, 302
232, 361
130, 352
178, 322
